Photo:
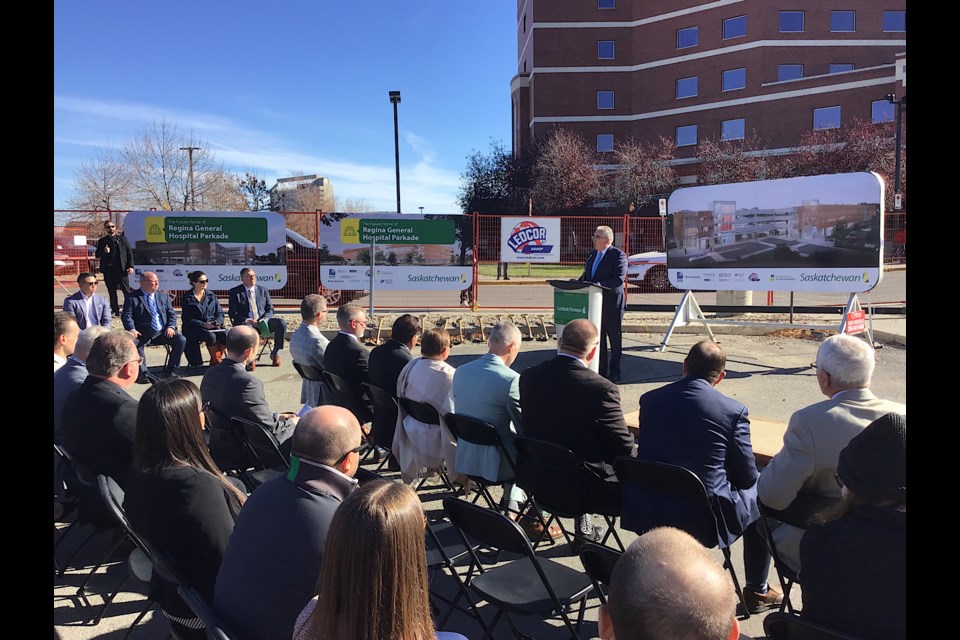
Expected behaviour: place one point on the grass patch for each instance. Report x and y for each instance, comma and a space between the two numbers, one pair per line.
533, 270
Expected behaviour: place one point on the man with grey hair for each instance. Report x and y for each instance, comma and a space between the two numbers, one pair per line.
99, 418
565, 402
347, 358
815, 435
653, 585
607, 266
489, 390
275, 554
149, 316
308, 344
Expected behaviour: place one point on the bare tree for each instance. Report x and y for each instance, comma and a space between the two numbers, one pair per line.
220, 192
352, 205
726, 161
564, 173
103, 183
643, 171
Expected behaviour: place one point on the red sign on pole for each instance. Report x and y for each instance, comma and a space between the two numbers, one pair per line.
856, 322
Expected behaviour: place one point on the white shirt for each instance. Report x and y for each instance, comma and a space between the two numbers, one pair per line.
88, 309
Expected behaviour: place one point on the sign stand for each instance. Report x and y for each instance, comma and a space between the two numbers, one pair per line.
689, 313
574, 299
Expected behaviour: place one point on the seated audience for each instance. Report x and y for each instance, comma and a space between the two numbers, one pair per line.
386, 363
89, 309
307, 345
149, 316
249, 303
65, 334
667, 586
428, 379
262, 585
71, 375
853, 571
347, 358
177, 499
202, 321
374, 596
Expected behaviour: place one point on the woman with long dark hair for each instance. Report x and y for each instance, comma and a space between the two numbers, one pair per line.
176, 497
202, 320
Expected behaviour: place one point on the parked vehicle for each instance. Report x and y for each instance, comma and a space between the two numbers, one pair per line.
648, 270
302, 255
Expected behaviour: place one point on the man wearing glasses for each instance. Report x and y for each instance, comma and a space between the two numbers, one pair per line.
347, 358
275, 553
116, 263
249, 303
87, 307
607, 267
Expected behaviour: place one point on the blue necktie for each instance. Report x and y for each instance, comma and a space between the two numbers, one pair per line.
596, 263
154, 316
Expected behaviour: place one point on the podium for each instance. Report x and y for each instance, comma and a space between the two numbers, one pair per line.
573, 299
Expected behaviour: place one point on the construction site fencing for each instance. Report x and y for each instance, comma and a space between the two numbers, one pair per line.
496, 285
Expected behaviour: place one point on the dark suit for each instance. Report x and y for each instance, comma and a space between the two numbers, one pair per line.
99, 311
563, 401
238, 308
195, 314
386, 363
114, 264
610, 273
136, 315
347, 358
99, 422
233, 392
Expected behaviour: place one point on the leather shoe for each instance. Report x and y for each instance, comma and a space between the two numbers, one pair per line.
142, 379
581, 540
757, 602
276, 359
534, 529
252, 366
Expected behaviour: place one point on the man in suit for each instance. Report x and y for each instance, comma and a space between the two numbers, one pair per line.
65, 334
150, 317
607, 267
87, 307
688, 423
307, 345
386, 363
271, 566
232, 391
347, 358
100, 418
815, 435
249, 303
116, 263
564, 402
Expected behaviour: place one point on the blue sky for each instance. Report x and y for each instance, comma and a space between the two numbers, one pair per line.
288, 86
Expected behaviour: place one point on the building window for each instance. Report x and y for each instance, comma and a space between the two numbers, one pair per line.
734, 27
791, 21
604, 99
882, 111
734, 79
732, 129
687, 87
605, 49
789, 72
689, 37
606, 4
687, 135
843, 21
826, 118
894, 20
604, 142
840, 67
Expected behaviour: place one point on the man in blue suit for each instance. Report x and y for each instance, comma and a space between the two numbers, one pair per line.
150, 317
690, 424
249, 303
607, 267
87, 307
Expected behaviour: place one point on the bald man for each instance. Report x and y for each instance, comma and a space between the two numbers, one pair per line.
273, 561
654, 584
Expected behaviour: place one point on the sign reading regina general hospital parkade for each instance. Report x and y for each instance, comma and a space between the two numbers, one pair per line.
219, 243
414, 252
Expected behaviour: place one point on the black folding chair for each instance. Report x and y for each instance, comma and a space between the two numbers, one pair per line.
526, 586
338, 391
444, 551
649, 484
788, 626
264, 459
480, 433
311, 374
213, 625
599, 562
556, 480
381, 398
426, 414
785, 573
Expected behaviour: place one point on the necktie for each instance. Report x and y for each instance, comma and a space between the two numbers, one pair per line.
154, 316
596, 263
254, 312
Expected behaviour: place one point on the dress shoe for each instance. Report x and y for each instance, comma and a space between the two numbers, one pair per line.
252, 366
534, 529
757, 602
613, 377
143, 379
596, 535
276, 359
167, 375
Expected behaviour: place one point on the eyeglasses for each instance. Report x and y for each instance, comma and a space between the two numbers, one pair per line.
138, 361
599, 237
110, 226
90, 283
362, 449
836, 477
202, 281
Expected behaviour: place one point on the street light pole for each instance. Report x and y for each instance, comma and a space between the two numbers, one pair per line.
193, 193
395, 100
901, 104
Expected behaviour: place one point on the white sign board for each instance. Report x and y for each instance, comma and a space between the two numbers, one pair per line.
530, 240
398, 278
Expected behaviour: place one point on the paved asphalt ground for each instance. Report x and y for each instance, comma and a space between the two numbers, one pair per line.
771, 374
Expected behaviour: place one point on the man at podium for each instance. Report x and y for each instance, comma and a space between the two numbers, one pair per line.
607, 267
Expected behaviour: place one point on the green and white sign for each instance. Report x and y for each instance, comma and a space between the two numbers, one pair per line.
161, 228
366, 230
569, 305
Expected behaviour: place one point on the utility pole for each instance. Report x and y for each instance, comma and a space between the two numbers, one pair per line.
193, 193
900, 104
395, 100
